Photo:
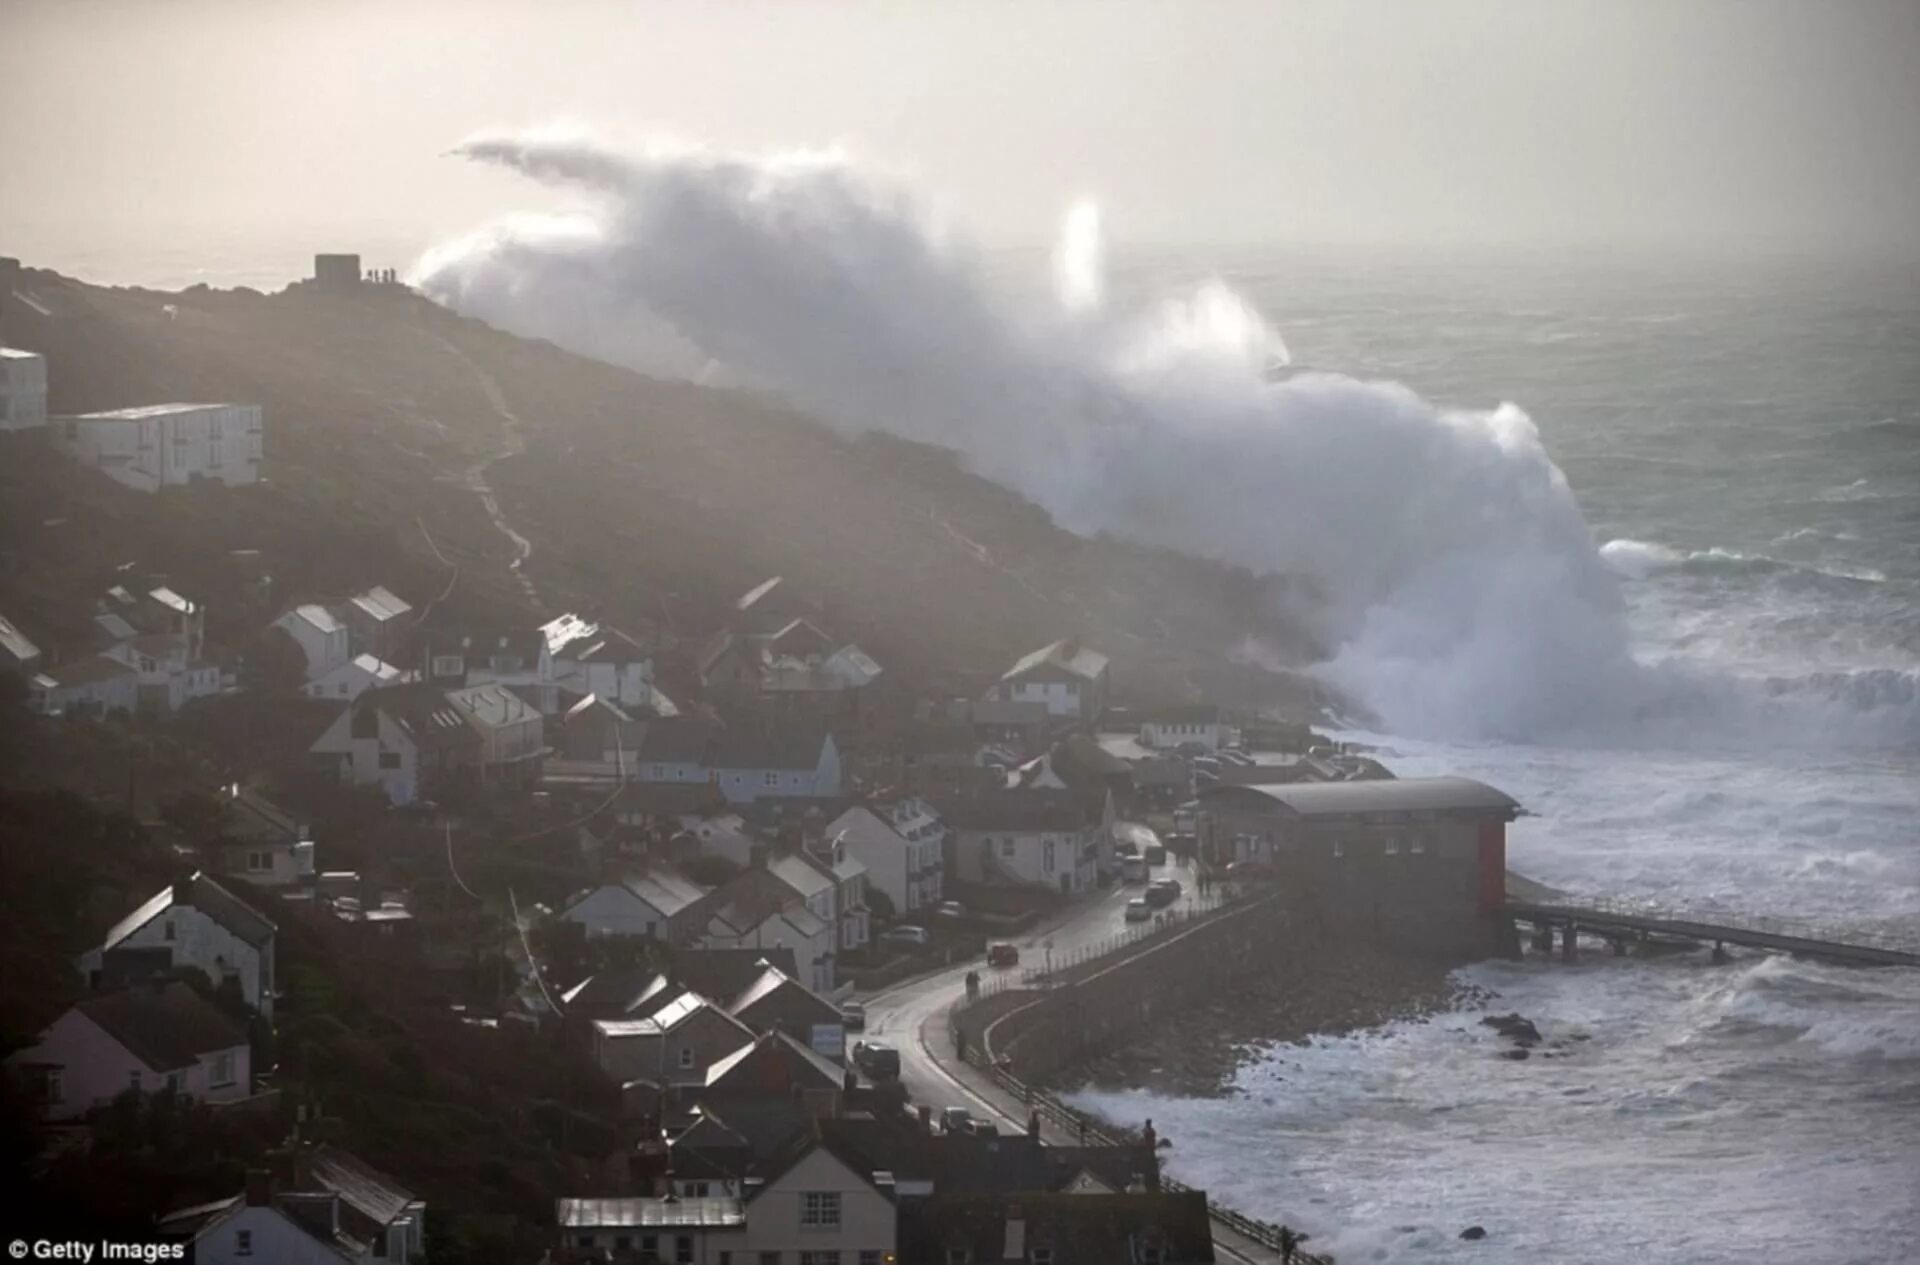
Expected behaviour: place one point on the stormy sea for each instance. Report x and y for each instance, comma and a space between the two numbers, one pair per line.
1635, 539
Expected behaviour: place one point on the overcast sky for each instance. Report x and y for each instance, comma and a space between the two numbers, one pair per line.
1663, 121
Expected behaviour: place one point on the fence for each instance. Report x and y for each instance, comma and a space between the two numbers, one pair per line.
1573, 907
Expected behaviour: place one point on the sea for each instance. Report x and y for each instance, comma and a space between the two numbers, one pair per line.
1743, 437
1737, 447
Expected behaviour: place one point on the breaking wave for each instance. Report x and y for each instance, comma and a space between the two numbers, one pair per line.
1465, 595
1638, 559
1845, 1012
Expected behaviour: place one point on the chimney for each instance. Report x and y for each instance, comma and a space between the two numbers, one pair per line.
259, 1187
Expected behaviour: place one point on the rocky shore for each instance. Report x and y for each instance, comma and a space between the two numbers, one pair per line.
1345, 989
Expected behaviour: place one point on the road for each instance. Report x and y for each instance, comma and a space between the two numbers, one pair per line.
911, 1016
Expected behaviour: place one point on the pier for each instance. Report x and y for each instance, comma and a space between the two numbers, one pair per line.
1623, 925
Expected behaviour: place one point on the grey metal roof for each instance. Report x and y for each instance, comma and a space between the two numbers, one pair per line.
663, 1213
381, 604
368, 1190
1375, 795
1067, 654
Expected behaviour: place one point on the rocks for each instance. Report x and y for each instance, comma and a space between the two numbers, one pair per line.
1516, 1055
1521, 1031
1474, 1233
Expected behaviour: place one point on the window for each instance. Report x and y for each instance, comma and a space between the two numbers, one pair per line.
686, 1056
820, 1210
176, 1081
133, 1079
1007, 846
959, 1256
683, 1249
870, 1256
54, 1087
772, 778
1417, 845
1048, 848
769, 1258
221, 1072
259, 859
819, 1258
1339, 848
243, 1242
366, 723
449, 665
1393, 846
659, 773
622, 1242
1041, 1256
1149, 1255
389, 759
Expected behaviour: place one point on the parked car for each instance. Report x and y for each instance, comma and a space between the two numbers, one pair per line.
950, 909
1125, 848
1138, 910
1003, 955
956, 1120
877, 1059
906, 937
853, 1017
1156, 854
1133, 870
1163, 891
984, 1129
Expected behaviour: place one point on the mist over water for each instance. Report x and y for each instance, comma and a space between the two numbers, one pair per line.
1467, 598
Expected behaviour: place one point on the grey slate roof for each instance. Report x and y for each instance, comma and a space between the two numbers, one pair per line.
1375, 795
363, 1187
166, 1028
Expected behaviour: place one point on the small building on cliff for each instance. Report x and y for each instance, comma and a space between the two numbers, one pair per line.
1418, 862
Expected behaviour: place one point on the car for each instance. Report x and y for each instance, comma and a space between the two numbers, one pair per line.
950, 909
1138, 910
1156, 854
1163, 891
984, 1129
853, 1017
877, 1059
956, 1120
1133, 870
1255, 871
907, 937
1126, 848
1003, 955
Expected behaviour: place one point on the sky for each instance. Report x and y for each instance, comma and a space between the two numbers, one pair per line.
198, 125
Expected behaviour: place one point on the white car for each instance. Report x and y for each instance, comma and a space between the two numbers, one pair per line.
1138, 910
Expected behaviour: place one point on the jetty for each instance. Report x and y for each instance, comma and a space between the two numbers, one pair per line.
1622, 925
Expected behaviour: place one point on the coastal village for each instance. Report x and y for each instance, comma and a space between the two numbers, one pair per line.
368, 922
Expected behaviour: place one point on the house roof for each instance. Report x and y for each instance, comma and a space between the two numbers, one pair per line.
726, 973
751, 897
803, 1064
492, 705
378, 669
423, 713
164, 595
1078, 1227
1017, 812
166, 1028
757, 594
669, 1018
380, 604
319, 617
15, 642
622, 991
775, 984
800, 873
665, 890
251, 812
205, 895
1372, 795
361, 1186
1067, 654
785, 745
115, 626
85, 671
678, 740
647, 1213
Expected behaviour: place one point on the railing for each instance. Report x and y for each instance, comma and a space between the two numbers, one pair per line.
1763, 925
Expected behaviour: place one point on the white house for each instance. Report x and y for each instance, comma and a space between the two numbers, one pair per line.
901, 844
1182, 726
1071, 679
850, 910
824, 1201
589, 658
401, 738
673, 1045
23, 389
377, 620
193, 922
148, 1037
168, 674
165, 445
263, 844
1027, 838
331, 1207
324, 639
654, 902
355, 677
784, 761
96, 683
758, 910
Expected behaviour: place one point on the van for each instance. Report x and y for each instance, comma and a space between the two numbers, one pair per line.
1156, 855
1133, 870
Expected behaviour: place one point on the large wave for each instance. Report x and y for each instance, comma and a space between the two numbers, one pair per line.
1466, 596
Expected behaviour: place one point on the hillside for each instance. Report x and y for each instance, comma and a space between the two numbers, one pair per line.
650, 503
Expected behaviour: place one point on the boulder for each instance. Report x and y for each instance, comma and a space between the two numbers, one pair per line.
1473, 1233
1515, 1055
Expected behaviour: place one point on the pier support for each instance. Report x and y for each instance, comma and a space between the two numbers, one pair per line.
1569, 943
1543, 938
1619, 947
